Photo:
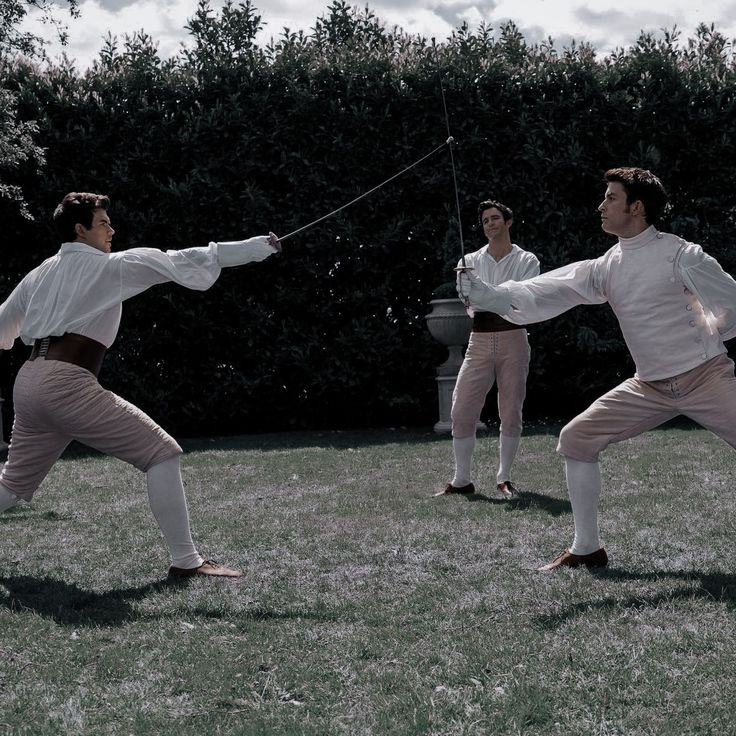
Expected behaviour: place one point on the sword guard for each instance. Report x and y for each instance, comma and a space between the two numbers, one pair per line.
463, 269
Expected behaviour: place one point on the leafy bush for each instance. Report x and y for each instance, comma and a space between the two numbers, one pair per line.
228, 140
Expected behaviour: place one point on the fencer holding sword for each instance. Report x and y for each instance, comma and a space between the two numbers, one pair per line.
68, 311
675, 305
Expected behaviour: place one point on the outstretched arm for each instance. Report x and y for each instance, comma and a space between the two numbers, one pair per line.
539, 298
194, 268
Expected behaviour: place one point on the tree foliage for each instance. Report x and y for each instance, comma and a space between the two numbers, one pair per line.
228, 139
18, 146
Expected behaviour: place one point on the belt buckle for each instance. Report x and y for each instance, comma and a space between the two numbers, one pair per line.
43, 348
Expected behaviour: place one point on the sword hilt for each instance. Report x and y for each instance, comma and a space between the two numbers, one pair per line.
464, 269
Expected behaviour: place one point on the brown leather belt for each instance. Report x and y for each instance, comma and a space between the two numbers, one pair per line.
490, 322
71, 348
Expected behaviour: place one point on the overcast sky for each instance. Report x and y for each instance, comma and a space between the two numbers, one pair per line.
605, 25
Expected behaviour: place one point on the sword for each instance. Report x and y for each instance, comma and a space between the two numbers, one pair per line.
451, 145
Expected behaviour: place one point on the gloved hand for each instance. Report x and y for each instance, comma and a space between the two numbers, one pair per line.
238, 252
274, 242
463, 284
481, 296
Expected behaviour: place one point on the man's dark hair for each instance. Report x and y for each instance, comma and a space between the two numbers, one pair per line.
487, 204
77, 207
641, 184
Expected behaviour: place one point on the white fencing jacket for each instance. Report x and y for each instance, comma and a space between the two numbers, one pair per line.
674, 303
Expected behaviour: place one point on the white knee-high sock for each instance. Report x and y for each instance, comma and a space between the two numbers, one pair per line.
507, 448
7, 499
463, 448
584, 487
169, 507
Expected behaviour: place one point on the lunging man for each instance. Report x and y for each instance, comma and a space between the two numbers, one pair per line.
675, 306
68, 310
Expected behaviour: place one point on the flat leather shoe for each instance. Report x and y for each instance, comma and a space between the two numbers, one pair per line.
208, 567
451, 489
507, 489
599, 558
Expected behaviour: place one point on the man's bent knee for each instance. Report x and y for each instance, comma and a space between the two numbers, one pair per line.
165, 452
577, 445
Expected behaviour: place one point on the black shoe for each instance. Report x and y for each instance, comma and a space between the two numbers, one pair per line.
451, 489
507, 489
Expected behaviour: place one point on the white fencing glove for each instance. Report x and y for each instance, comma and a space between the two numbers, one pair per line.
463, 284
480, 295
239, 252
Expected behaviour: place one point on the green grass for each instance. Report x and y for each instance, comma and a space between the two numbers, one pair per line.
367, 606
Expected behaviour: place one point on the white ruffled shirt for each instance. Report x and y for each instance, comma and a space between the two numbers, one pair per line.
81, 289
674, 303
517, 265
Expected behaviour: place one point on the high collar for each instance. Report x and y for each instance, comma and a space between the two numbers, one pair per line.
639, 241
76, 247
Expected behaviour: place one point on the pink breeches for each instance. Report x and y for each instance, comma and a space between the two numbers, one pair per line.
492, 357
58, 402
706, 394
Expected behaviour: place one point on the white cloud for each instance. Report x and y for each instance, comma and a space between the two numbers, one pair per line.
606, 27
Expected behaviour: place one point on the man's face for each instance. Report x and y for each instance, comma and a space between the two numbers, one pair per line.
617, 217
99, 235
493, 223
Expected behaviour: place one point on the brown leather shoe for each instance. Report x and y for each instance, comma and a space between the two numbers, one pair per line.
599, 558
507, 489
208, 567
451, 489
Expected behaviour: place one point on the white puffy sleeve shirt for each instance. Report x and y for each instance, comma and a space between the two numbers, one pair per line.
81, 289
517, 265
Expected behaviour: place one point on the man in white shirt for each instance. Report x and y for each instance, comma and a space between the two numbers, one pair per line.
498, 352
68, 309
675, 306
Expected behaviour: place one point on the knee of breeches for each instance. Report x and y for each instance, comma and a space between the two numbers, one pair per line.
511, 428
463, 427
576, 445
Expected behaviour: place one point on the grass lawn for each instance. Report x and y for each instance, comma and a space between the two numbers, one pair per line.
367, 606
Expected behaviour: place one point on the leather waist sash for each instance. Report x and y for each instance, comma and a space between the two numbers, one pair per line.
490, 322
71, 348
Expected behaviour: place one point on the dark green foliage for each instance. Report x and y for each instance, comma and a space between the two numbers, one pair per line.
229, 140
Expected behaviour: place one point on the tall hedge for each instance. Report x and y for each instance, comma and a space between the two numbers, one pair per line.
228, 140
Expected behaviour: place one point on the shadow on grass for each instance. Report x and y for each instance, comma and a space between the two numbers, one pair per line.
713, 587
526, 500
69, 605
549, 504
24, 512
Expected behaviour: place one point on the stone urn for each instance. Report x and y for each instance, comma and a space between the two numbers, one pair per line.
450, 324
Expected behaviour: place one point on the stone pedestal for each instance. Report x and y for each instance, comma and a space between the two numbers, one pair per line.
448, 323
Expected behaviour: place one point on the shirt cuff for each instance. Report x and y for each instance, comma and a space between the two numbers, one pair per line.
239, 252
